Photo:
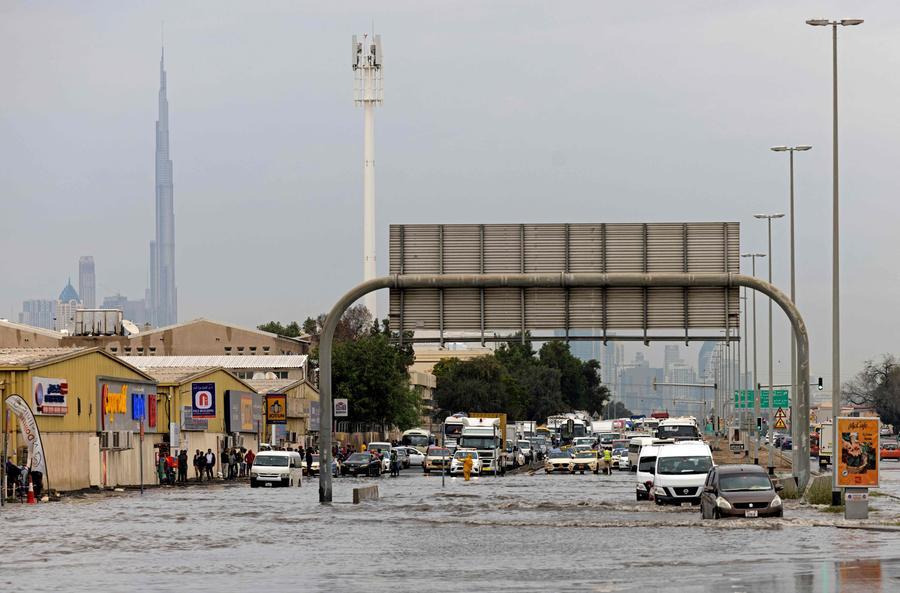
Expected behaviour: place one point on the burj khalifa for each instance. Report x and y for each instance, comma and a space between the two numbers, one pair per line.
163, 295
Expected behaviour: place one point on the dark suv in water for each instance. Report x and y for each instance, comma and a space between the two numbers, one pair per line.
739, 491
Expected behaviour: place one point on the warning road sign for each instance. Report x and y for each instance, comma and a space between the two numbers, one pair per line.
779, 424
780, 414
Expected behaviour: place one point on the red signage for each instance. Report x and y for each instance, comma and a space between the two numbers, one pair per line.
151, 412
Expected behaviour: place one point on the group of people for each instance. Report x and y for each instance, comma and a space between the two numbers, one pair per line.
237, 462
174, 469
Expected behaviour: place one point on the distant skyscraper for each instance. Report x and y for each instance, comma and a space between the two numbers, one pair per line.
66, 305
38, 313
163, 296
672, 356
134, 311
87, 282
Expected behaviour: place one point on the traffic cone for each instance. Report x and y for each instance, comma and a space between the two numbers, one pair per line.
31, 499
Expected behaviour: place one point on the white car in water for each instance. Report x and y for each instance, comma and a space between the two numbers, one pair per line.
459, 459
415, 456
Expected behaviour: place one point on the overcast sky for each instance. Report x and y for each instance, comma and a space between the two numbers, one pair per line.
494, 112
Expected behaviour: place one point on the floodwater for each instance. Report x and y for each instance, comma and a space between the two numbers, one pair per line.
516, 533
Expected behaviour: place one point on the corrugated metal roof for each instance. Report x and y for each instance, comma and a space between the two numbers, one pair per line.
280, 361
304, 338
31, 328
269, 385
174, 375
30, 356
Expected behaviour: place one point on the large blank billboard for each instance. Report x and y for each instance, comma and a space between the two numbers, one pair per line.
694, 247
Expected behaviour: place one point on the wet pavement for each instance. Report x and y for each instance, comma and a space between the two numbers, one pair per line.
516, 533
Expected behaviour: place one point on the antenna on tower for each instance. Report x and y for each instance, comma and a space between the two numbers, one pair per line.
368, 92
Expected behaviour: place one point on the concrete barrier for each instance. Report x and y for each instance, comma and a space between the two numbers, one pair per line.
365, 493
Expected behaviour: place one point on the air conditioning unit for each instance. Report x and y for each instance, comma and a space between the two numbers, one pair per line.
119, 439
105, 439
293, 437
126, 439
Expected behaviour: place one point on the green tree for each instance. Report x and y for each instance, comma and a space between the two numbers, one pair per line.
481, 384
291, 330
579, 381
371, 373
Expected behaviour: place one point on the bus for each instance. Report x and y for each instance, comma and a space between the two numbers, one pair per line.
418, 438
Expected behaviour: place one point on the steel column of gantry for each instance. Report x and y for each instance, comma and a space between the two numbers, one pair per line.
563, 280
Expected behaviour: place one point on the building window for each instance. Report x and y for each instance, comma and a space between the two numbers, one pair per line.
127, 348
252, 348
113, 349
152, 348
266, 349
240, 348
140, 349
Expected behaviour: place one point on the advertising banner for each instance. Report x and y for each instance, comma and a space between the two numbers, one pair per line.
243, 410
123, 403
36, 460
857, 462
203, 400
50, 396
276, 408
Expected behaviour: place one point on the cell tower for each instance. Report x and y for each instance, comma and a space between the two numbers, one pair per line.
368, 91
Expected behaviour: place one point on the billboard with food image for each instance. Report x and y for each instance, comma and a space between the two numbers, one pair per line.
858, 452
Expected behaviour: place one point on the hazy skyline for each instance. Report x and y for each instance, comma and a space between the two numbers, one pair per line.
493, 112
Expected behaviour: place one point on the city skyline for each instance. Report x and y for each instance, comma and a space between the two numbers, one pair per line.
287, 157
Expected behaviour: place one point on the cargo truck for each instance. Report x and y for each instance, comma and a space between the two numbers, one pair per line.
826, 444
485, 436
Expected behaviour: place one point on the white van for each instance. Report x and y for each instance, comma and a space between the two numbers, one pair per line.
645, 468
276, 468
680, 429
634, 449
681, 470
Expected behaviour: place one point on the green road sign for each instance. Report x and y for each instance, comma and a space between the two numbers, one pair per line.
744, 399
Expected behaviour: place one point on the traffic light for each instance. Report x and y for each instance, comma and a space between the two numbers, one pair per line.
820, 386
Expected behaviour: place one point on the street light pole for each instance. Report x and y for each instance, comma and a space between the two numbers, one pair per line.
771, 461
791, 150
835, 244
756, 406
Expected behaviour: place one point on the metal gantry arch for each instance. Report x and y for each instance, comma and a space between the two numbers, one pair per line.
800, 453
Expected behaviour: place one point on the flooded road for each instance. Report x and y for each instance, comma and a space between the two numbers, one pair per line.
517, 533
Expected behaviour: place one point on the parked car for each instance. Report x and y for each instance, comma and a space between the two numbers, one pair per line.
778, 438
739, 491
787, 443
585, 460
558, 461
402, 456
414, 456
314, 467
620, 459
459, 459
890, 451
384, 453
526, 449
436, 459
361, 464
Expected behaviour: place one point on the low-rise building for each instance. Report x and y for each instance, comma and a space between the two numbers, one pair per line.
89, 427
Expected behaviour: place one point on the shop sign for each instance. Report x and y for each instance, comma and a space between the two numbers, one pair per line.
50, 396
276, 408
203, 400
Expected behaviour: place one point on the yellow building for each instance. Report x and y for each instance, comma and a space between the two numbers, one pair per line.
65, 388
302, 422
238, 414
